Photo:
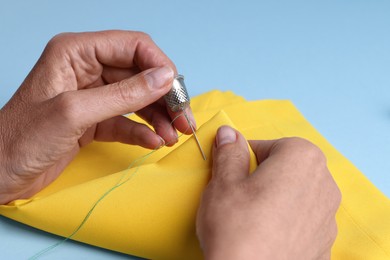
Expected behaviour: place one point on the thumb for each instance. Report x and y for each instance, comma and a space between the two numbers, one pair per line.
83, 108
230, 155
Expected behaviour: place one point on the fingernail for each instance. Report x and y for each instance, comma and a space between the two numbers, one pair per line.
225, 135
162, 142
158, 77
176, 137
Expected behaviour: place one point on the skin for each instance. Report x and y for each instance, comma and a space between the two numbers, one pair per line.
78, 91
284, 210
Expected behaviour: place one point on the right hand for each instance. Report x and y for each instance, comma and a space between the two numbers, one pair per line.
284, 210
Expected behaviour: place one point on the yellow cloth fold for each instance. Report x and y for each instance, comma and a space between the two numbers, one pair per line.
153, 214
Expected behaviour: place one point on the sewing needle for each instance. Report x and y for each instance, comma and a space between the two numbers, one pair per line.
196, 137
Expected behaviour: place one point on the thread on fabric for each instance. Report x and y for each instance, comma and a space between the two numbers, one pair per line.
137, 162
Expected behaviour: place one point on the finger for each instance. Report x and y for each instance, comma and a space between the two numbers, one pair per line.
181, 122
83, 108
122, 54
154, 111
230, 155
289, 157
262, 148
126, 49
157, 116
82, 57
115, 48
113, 74
287, 149
124, 130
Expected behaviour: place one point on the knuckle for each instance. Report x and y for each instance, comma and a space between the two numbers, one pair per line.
308, 150
333, 232
337, 197
129, 92
61, 36
150, 47
143, 35
329, 235
213, 189
66, 107
315, 155
59, 40
123, 93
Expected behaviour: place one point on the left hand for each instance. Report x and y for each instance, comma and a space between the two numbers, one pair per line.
77, 92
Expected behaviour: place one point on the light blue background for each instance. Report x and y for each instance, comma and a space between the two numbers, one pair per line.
331, 58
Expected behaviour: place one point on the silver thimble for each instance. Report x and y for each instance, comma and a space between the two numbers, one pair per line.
177, 98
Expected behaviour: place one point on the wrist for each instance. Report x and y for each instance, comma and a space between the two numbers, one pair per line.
4, 196
3, 187
4, 184
4, 180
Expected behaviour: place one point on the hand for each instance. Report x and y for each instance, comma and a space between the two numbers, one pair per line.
284, 210
77, 92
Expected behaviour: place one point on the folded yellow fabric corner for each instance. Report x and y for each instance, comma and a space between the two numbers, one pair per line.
152, 215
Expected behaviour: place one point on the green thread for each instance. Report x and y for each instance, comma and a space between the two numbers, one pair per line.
117, 185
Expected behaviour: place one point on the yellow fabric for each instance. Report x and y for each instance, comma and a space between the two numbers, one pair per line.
153, 214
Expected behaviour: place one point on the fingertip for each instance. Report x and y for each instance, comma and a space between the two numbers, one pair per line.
162, 142
179, 121
225, 135
172, 140
151, 140
191, 117
159, 78
167, 133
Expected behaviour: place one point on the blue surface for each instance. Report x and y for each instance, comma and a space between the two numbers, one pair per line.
331, 59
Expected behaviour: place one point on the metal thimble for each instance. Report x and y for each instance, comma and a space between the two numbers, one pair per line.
177, 98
